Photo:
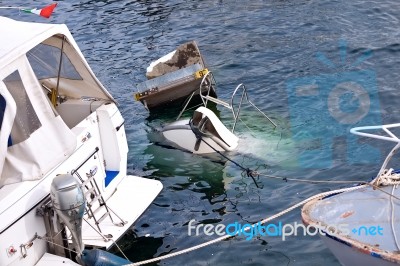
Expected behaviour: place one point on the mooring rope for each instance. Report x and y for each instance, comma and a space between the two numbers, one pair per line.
388, 177
385, 179
224, 237
54, 243
286, 179
248, 171
252, 173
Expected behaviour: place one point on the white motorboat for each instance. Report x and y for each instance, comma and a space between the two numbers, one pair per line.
204, 132
64, 184
361, 227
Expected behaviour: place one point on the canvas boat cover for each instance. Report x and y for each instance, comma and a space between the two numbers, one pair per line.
33, 137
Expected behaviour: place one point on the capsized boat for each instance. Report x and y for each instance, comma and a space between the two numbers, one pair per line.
204, 132
174, 77
64, 188
361, 227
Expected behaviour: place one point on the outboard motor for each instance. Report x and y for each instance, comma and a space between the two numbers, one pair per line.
68, 201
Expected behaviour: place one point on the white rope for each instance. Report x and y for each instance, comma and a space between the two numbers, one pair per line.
310, 181
51, 242
106, 238
321, 195
120, 250
387, 178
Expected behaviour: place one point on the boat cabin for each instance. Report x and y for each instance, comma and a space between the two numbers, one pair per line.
42, 73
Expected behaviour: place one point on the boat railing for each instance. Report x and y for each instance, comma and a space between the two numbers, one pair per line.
207, 84
360, 131
386, 128
96, 202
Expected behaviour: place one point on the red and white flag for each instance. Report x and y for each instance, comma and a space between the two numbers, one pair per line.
44, 12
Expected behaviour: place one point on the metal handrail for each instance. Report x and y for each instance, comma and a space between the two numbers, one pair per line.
209, 86
392, 137
212, 83
244, 94
205, 98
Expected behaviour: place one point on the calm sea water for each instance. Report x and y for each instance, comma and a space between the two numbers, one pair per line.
267, 45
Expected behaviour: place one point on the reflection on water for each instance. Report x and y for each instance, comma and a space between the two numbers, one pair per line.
203, 171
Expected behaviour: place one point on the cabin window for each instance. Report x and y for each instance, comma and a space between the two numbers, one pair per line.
26, 120
45, 62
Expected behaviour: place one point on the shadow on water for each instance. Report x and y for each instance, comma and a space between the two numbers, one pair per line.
137, 248
168, 161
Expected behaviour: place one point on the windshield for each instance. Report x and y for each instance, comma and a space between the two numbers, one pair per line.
45, 62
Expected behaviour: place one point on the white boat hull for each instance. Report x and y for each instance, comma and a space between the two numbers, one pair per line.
350, 256
181, 135
217, 136
53, 260
128, 196
358, 225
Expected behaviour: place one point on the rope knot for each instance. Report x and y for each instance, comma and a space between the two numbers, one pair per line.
387, 177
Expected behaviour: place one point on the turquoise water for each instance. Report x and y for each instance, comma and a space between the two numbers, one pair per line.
267, 45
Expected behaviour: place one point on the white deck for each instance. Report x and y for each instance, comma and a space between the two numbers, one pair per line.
53, 260
133, 196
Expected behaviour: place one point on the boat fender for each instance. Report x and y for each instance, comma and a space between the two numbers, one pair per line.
98, 257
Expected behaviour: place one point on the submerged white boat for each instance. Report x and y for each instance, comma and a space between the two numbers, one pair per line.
64, 184
204, 132
361, 227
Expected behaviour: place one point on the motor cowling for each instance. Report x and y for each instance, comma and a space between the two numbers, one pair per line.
68, 201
